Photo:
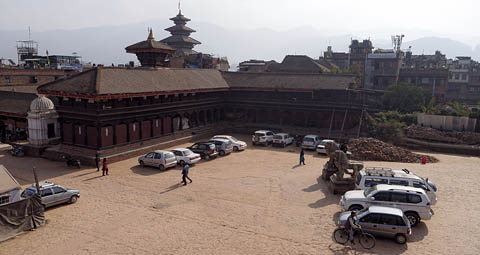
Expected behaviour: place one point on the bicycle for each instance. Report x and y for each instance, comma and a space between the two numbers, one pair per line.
366, 240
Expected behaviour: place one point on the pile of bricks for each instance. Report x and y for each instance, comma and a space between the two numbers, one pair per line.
370, 149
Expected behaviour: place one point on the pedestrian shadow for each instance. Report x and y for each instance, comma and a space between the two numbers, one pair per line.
80, 175
172, 188
93, 178
295, 166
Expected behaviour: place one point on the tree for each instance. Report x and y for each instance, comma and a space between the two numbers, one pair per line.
404, 97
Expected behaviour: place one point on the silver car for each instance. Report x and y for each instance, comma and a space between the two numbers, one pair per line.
52, 194
223, 146
159, 158
382, 221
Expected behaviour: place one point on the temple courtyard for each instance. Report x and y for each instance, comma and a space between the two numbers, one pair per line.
254, 202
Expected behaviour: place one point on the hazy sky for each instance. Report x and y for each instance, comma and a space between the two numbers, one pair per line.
439, 17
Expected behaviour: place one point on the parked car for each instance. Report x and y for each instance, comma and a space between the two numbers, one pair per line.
237, 144
282, 139
413, 202
264, 137
321, 146
224, 147
186, 156
310, 142
52, 194
382, 221
205, 149
372, 176
159, 158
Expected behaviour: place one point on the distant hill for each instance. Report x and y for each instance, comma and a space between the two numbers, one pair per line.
107, 44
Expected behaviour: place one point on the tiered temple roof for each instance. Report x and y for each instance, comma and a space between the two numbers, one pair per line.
180, 38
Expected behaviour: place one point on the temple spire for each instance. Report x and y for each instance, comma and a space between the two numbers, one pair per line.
180, 7
150, 35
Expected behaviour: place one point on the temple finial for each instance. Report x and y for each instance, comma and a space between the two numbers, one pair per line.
150, 35
179, 7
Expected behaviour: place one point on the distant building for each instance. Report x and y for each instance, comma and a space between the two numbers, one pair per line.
463, 80
382, 69
255, 66
339, 59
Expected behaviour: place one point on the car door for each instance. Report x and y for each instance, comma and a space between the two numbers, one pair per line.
159, 160
381, 198
178, 155
60, 194
47, 196
369, 223
195, 148
148, 159
387, 225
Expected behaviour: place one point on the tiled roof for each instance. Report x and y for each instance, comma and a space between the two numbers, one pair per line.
298, 64
180, 28
180, 38
111, 81
308, 81
149, 44
16, 102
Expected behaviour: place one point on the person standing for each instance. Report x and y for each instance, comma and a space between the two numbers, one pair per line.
97, 162
105, 167
302, 157
185, 171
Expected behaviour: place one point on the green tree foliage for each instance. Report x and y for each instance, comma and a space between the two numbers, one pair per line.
404, 98
388, 126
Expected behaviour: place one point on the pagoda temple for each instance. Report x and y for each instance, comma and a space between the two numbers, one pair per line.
151, 53
180, 38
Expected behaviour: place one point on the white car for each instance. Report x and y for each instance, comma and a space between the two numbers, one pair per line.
310, 142
264, 137
186, 156
237, 144
321, 146
372, 176
159, 158
413, 202
282, 139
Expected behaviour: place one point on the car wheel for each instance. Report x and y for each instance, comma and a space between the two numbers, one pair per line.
235, 148
161, 167
400, 238
182, 163
142, 164
413, 218
73, 199
207, 157
355, 208
222, 153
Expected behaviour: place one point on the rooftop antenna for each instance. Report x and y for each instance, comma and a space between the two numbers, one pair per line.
397, 42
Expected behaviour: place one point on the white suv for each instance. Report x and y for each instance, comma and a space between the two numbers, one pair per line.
264, 137
237, 144
412, 201
372, 176
282, 139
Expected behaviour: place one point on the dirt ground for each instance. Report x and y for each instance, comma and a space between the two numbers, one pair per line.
254, 202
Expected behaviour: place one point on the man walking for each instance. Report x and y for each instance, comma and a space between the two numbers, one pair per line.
302, 157
185, 171
97, 162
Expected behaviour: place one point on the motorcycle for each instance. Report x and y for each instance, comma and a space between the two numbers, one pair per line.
17, 151
71, 161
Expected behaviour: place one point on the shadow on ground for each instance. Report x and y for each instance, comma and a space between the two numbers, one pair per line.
329, 197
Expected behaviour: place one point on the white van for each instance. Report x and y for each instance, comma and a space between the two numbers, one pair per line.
372, 176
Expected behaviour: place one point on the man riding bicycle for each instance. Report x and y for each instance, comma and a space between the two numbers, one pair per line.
351, 225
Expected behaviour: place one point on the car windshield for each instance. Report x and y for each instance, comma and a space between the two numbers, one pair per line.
308, 139
369, 190
28, 192
323, 142
211, 146
277, 137
259, 134
169, 155
234, 139
188, 152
